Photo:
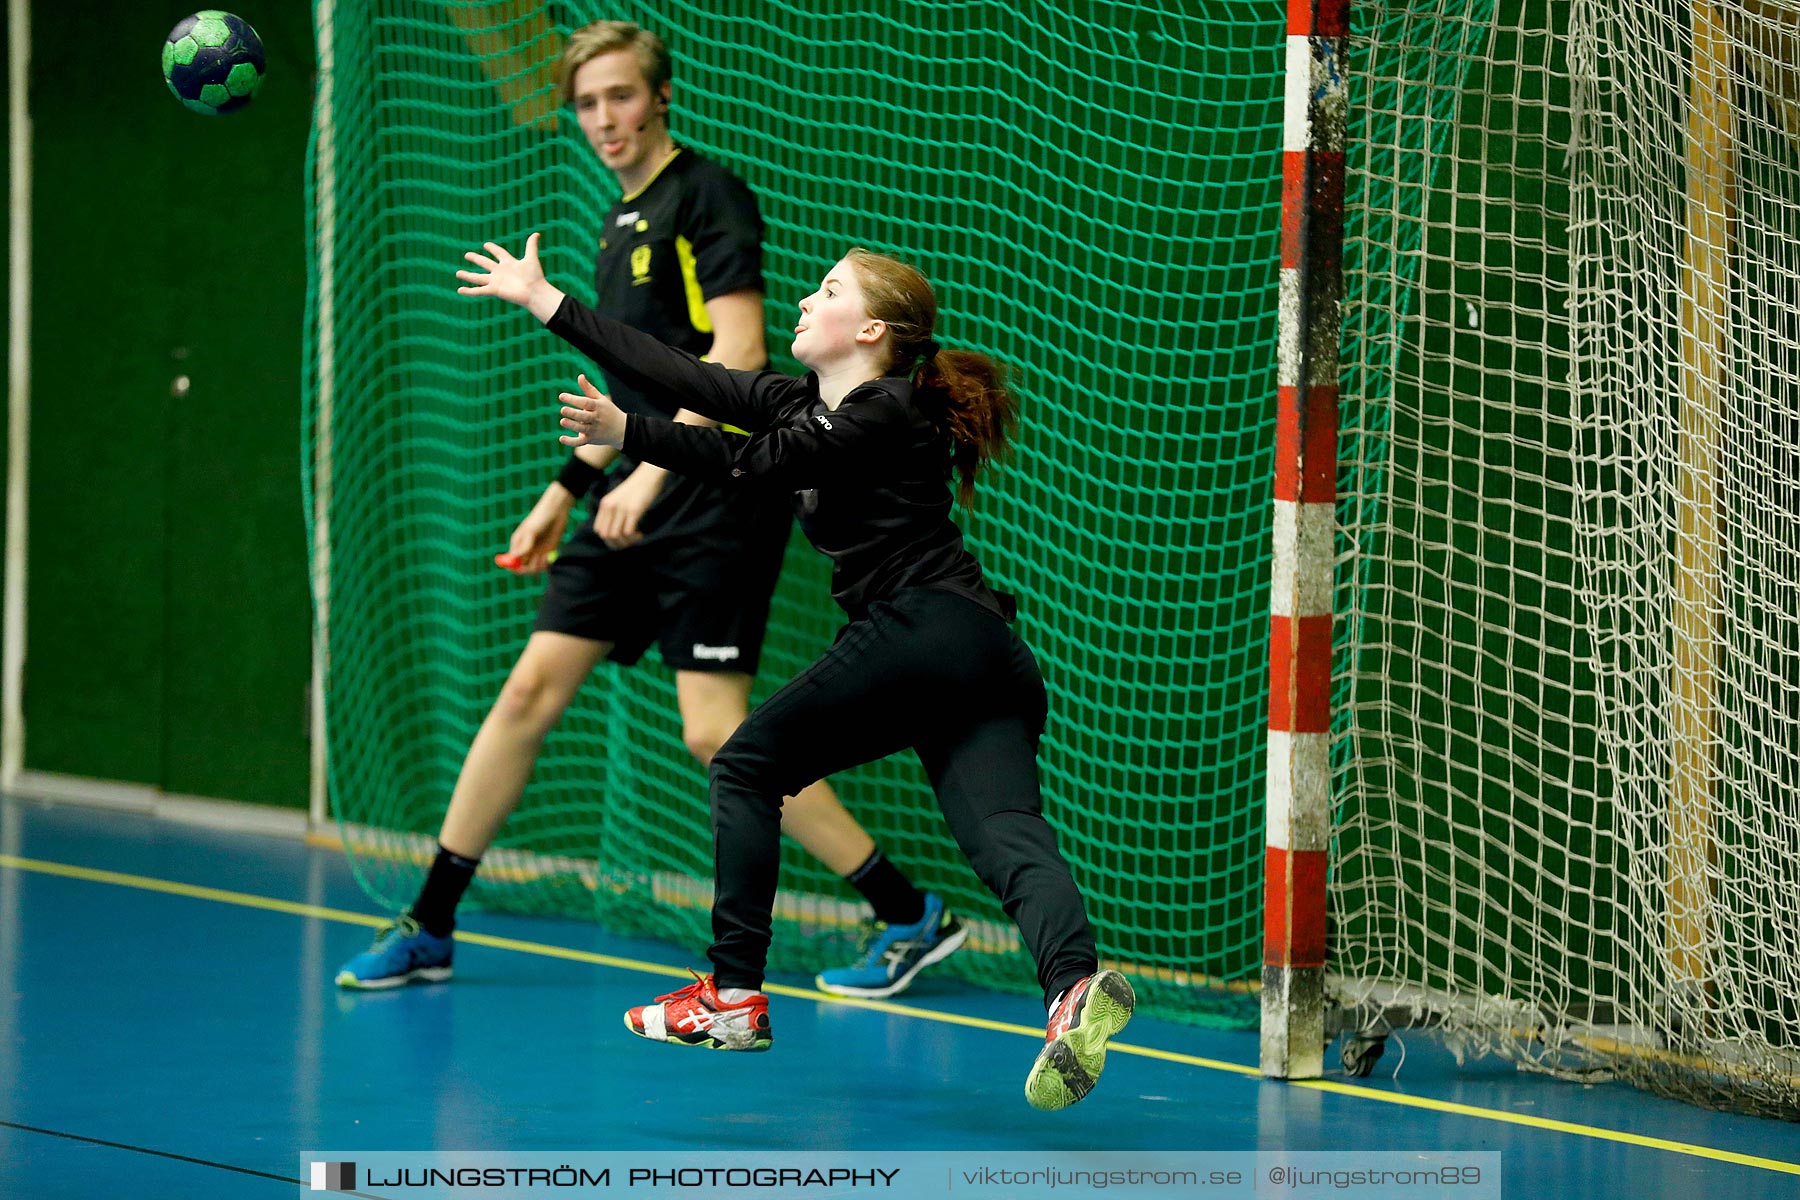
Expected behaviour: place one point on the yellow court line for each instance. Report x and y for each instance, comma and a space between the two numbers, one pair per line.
145, 883
1593, 1131
902, 1010
245, 900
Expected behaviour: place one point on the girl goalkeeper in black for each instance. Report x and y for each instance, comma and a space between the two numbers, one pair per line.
869, 439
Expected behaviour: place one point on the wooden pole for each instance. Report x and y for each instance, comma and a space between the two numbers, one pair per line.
517, 47
1711, 170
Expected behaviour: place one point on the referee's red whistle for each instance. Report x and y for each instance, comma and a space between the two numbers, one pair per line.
514, 563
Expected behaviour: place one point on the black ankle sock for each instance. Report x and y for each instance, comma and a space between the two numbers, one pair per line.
435, 909
895, 899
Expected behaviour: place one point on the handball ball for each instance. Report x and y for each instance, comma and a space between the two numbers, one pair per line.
213, 62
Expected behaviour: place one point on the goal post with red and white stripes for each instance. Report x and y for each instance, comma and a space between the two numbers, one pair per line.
1299, 787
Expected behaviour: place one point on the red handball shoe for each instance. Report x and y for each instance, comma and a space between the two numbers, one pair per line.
695, 1016
1074, 1052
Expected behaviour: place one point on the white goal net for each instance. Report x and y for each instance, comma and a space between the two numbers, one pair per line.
1566, 752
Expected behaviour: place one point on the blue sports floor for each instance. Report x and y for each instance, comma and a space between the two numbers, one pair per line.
168, 1027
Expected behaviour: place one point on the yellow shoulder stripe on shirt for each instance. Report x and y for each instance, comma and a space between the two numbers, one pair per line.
690, 279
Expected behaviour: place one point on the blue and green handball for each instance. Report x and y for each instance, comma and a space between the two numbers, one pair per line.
213, 62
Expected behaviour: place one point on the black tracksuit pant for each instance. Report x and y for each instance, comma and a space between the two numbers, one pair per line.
937, 672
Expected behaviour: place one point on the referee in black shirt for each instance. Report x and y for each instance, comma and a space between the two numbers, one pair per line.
667, 558
869, 438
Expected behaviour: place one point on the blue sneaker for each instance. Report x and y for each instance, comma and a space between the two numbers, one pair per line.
893, 954
402, 953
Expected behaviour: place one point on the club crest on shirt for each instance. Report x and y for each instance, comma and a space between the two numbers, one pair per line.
640, 265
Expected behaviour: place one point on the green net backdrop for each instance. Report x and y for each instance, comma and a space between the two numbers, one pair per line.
1095, 190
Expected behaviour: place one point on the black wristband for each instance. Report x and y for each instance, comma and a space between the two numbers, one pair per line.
579, 476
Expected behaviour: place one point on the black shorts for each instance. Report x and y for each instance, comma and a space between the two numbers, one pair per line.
702, 595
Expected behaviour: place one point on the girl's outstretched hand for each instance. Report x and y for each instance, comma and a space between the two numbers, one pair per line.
511, 279
592, 417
